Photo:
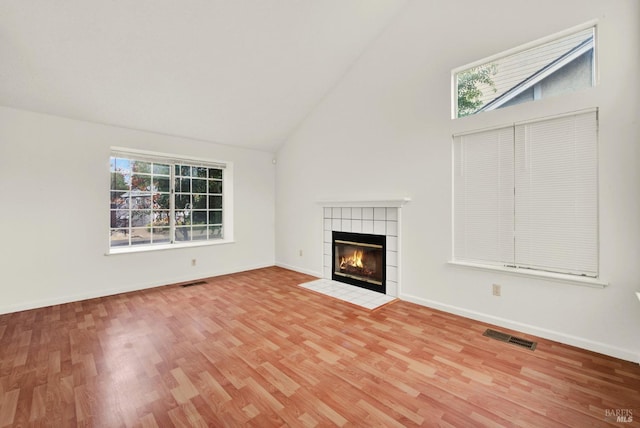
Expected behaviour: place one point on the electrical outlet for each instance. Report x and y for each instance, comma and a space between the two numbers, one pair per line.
300, 253
497, 289
193, 262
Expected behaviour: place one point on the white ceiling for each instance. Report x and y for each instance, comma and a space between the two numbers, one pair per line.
239, 72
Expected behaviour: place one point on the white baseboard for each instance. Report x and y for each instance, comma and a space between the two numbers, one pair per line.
59, 300
602, 348
299, 269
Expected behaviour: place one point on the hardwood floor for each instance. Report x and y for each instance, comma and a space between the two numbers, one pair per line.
254, 349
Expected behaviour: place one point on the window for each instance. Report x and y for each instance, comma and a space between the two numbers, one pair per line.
542, 69
157, 200
526, 195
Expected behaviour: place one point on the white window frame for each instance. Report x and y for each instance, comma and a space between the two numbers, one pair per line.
500, 263
227, 199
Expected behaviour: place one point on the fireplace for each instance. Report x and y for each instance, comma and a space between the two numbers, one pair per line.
378, 217
360, 259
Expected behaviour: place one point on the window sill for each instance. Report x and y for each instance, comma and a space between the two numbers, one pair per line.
550, 276
161, 247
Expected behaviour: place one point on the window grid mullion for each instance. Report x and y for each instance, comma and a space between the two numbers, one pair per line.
172, 203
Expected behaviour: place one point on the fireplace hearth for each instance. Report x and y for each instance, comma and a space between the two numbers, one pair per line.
360, 259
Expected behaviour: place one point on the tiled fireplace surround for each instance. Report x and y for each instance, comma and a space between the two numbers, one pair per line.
378, 218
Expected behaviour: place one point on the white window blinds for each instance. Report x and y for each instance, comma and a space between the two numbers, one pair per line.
556, 209
527, 195
483, 188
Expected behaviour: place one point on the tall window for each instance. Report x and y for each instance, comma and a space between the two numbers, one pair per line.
526, 196
158, 200
556, 65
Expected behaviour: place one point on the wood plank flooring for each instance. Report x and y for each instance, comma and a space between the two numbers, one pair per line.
254, 349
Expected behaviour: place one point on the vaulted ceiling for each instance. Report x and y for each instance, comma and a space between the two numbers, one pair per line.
238, 72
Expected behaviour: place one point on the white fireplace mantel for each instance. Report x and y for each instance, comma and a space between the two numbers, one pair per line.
388, 203
370, 216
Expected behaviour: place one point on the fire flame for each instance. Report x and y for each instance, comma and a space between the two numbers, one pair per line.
354, 261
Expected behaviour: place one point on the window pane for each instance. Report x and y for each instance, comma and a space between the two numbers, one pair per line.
215, 173
200, 172
183, 185
215, 186
121, 165
119, 238
183, 201
140, 218
140, 236
114, 218
199, 217
161, 169
116, 198
140, 182
141, 166
199, 233
161, 234
215, 232
183, 233
119, 181
183, 217
199, 186
161, 201
138, 200
162, 184
562, 65
215, 217
121, 217
199, 202
161, 218
215, 201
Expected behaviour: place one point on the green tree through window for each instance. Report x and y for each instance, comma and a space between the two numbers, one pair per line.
469, 83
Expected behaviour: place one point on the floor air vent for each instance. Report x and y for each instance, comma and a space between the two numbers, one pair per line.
191, 284
504, 337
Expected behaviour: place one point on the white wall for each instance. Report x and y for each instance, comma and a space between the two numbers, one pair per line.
385, 132
54, 176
